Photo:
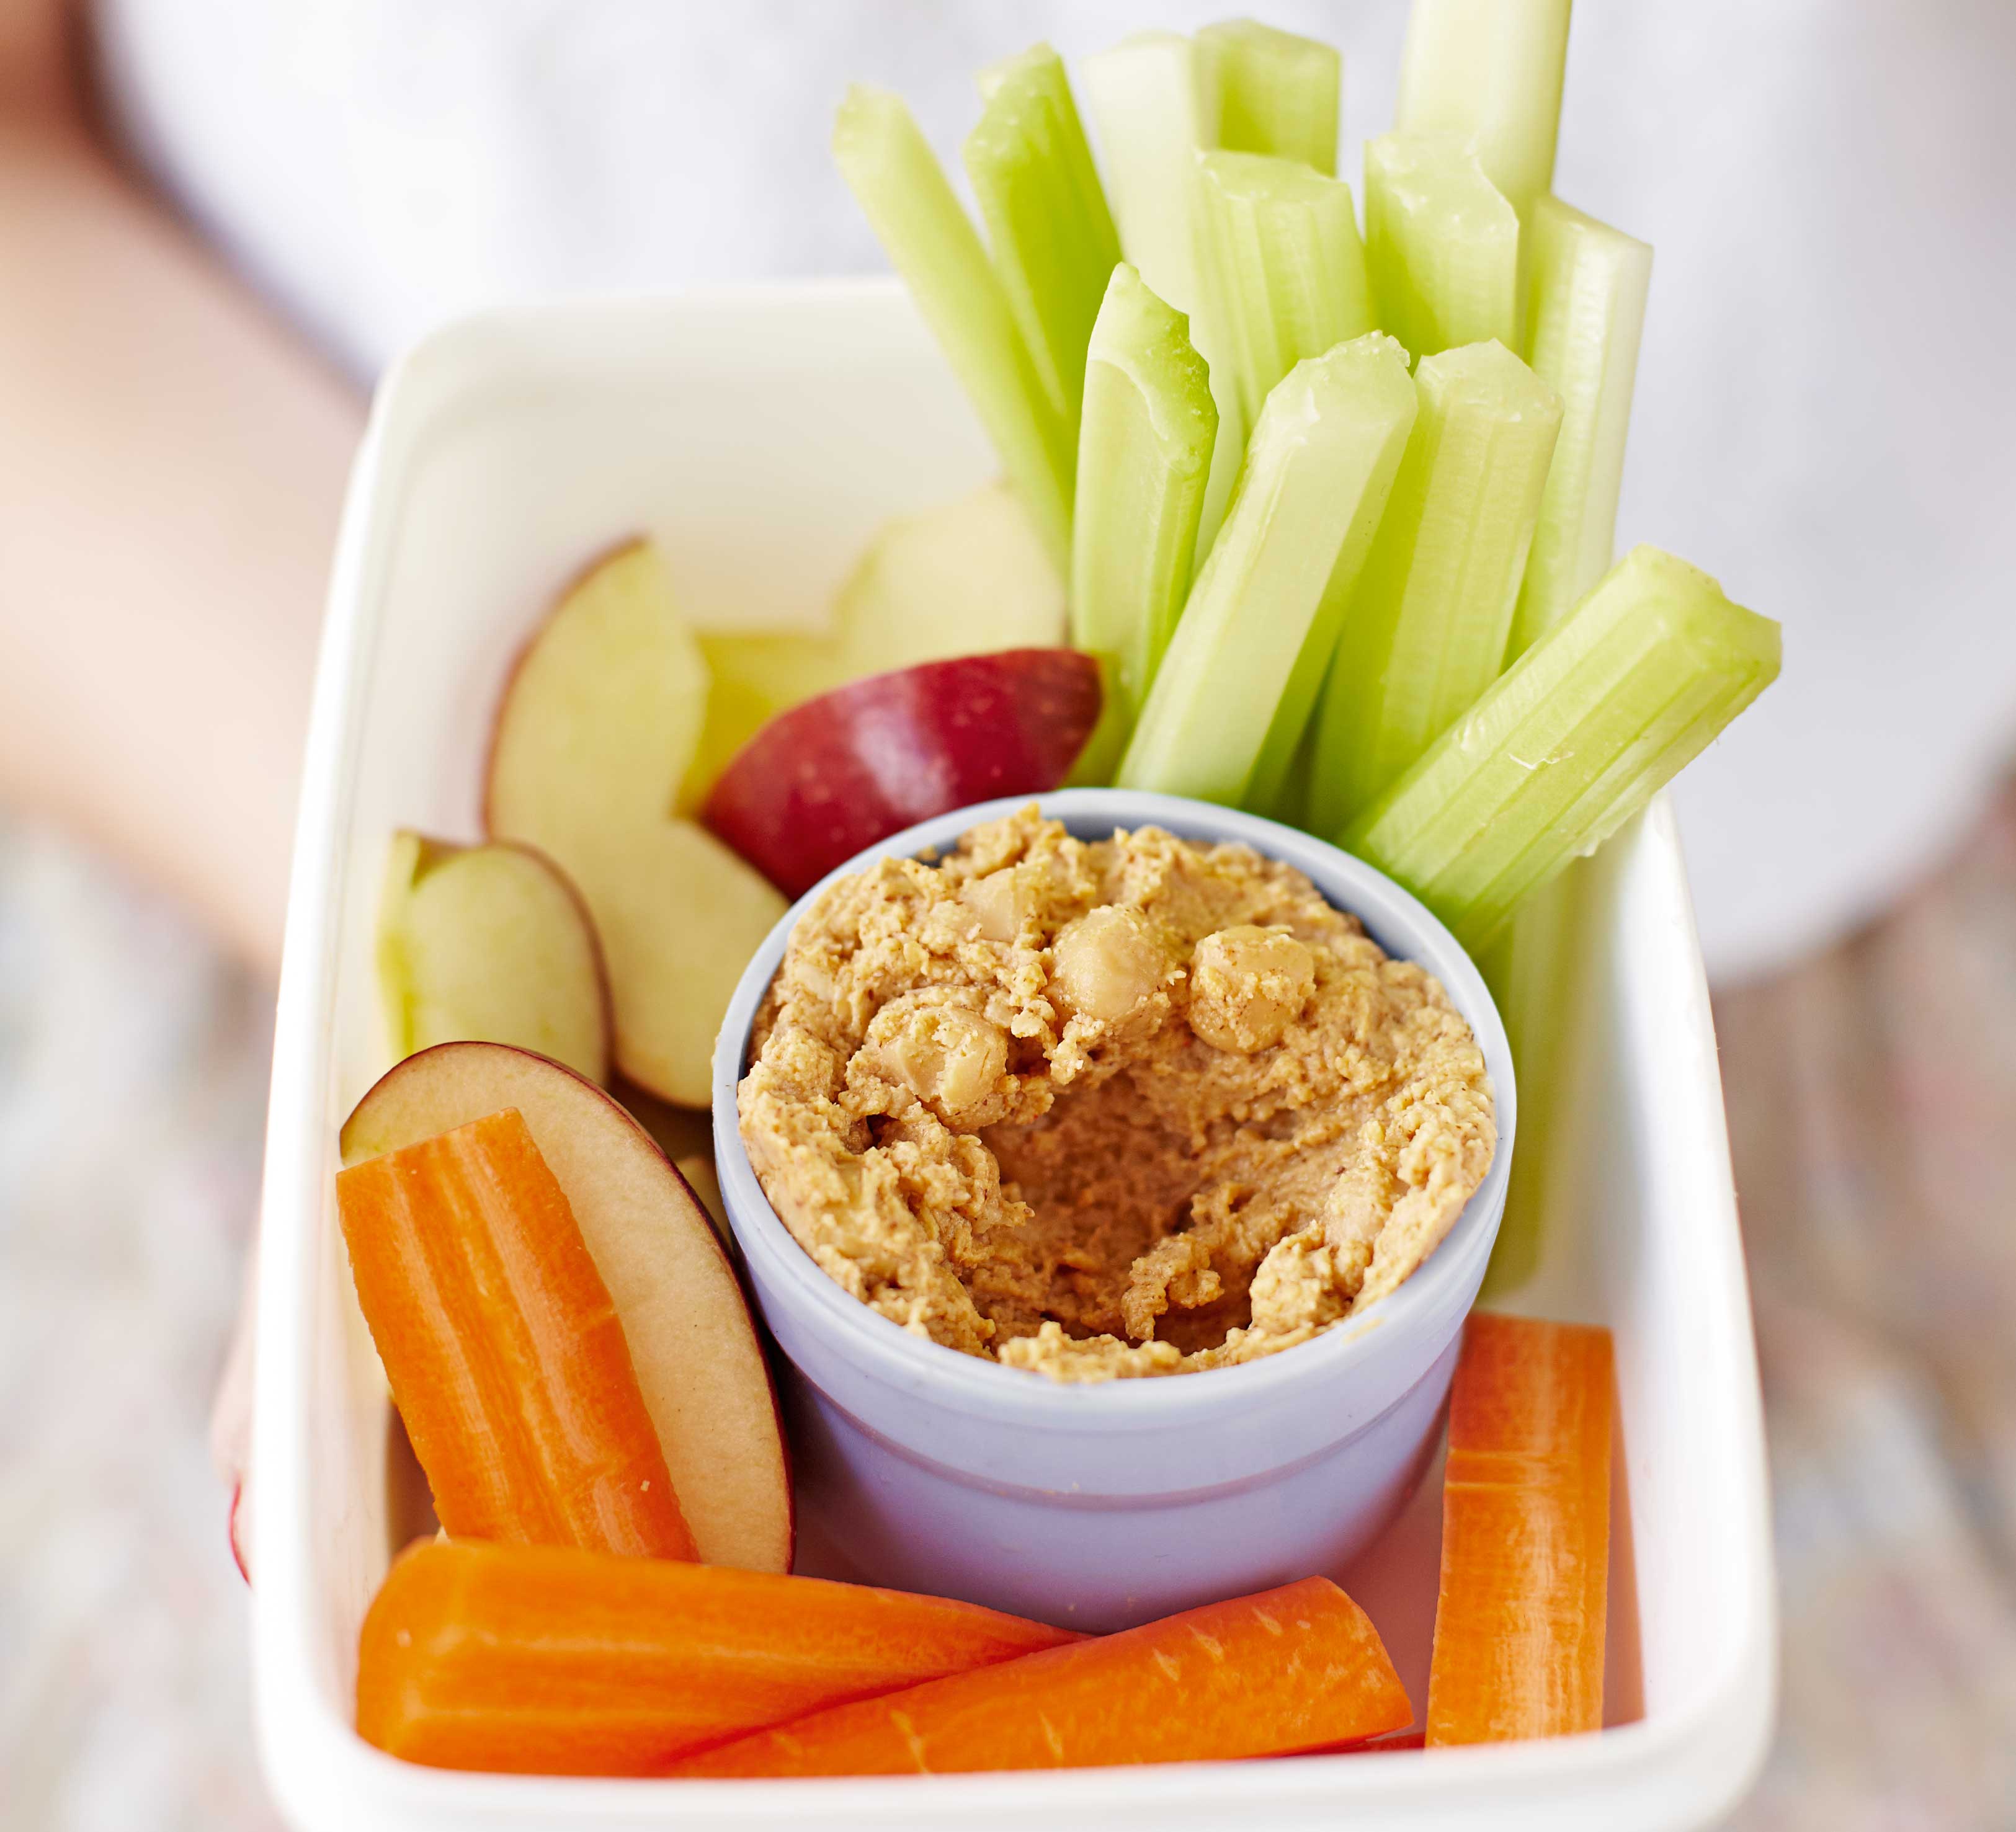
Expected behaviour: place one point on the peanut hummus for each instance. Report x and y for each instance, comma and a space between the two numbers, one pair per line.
1132, 1106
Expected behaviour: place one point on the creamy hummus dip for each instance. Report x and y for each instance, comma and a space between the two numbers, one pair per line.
1130, 1106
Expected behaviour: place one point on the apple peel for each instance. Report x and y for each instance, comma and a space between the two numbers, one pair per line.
699, 1361
490, 943
599, 724
825, 780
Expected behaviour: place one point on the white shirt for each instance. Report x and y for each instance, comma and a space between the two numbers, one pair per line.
1829, 190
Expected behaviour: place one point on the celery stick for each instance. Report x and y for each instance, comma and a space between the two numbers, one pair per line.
1530, 971
1144, 456
1277, 785
1489, 70
1277, 92
1315, 479
902, 188
1571, 742
1425, 632
1586, 307
1441, 243
1156, 109
1289, 265
1153, 116
1054, 243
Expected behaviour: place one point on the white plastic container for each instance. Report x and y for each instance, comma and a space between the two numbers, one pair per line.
761, 435
1100, 1505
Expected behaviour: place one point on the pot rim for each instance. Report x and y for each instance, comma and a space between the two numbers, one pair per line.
979, 1388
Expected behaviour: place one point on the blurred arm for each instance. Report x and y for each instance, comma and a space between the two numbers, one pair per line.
172, 467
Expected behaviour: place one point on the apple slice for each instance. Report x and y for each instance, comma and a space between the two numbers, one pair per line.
704, 1182
490, 943
687, 1137
959, 578
698, 1360
824, 779
605, 705
979, 553
678, 1131
601, 717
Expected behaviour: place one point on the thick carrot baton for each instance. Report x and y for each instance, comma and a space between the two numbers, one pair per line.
506, 1357
1519, 1629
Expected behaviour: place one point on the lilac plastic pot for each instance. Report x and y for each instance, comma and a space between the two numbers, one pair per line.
1102, 1506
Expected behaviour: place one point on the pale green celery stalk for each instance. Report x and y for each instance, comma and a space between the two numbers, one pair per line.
1144, 457
1315, 479
1277, 92
1586, 289
1279, 785
1586, 284
1154, 114
1533, 971
1491, 71
1573, 739
1156, 108
1442, 245
1054, 243
1425, 632
1289, 265
902, 189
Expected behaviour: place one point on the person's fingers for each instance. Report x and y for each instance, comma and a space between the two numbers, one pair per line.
38, 55
231, 1418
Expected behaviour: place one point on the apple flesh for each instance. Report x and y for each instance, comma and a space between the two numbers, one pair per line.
490, 943
679, 1132
679, 916
699, 1362
704, 1182
686, 1138
600, 722
824, 780
978, 553
605, 705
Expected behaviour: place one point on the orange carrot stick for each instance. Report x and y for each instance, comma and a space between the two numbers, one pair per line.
1519, 1629
506, 1357
1289, 1669
544, 1660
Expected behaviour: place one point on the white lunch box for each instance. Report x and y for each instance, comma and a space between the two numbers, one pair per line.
761, 434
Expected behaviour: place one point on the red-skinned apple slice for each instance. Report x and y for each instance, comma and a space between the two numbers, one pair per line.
824, 779
979, 551
699, 1362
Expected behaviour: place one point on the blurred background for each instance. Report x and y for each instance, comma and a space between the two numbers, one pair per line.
220, 219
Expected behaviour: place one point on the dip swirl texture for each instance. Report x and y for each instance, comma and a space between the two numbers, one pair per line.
1098, 1109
